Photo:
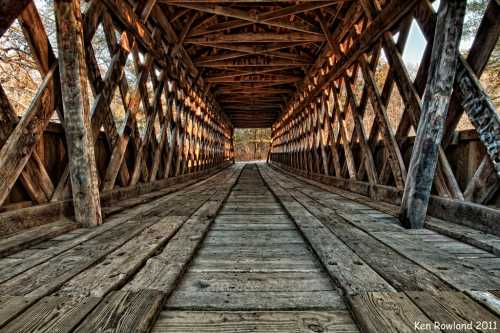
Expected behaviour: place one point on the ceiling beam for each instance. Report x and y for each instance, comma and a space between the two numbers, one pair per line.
245, 50
264, 92
257, 62
252, 72
271, 18
258, 78
259, 37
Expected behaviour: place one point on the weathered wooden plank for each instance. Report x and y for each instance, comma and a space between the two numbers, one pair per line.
490, 299
258, 282
458, 250
337, 199
158, 207
487, 242
343, 265
243, 197
387, 312
250, 251
461, 275
255, 301
124, 311
119, 266
11, 306
471, 98
402, 273
9, 270
50, 275
162, 271
35, 235
258, 322
248, 226
453, 309
52, 314
244, 272
299, 263
236, 209
255, 238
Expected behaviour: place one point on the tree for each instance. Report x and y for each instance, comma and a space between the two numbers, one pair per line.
491, 76
251, 143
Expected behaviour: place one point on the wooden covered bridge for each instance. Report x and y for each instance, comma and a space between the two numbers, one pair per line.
122, 210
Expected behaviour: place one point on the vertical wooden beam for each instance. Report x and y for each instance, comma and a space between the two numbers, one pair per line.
181, 139
435, 107
331, 136
174, 130
349, 157
232, 146
321, 129
74, 89
165, 130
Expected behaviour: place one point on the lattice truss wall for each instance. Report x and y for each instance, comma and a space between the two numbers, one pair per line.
170, 126
337, 124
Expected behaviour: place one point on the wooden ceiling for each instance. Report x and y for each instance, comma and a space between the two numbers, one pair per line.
253, 54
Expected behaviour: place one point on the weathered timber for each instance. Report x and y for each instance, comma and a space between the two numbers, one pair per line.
124, 311
82, 165
53, 314
275, 321
342, 264
435, 106
172, 261
387, 312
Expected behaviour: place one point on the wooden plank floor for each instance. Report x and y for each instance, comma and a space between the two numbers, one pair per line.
254, 269
252, 249
423, 277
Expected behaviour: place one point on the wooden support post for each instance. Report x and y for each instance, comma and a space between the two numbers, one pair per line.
232, 147
351, 166
180, 139
165, 130
321, 129
331, 136
435, 106
76, 107
172, 151
470, 97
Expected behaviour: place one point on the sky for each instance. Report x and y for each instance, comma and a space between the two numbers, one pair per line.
416, 43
